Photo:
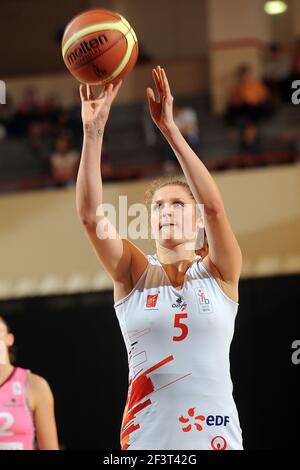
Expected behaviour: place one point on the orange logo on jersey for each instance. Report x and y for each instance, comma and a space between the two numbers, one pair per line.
151, 300
184, 420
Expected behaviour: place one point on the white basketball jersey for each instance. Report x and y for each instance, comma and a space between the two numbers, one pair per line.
178, 342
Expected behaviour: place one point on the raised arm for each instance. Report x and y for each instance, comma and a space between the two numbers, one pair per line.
224, 252
114, 253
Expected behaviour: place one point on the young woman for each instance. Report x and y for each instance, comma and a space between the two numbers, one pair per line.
175, 309
27, 417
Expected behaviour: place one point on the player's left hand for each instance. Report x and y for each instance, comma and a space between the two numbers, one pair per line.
161, 109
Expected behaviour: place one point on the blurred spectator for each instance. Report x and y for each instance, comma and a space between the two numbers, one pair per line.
29, 110
187, 122
30, 104
64, 161
75, 121
64, 125
277, 72
52, 111
35, 138
249, 103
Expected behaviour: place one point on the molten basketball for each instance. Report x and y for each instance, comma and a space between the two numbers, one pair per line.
99, 47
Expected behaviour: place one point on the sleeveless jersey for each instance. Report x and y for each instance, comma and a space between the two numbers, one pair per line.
178, 344
16, 421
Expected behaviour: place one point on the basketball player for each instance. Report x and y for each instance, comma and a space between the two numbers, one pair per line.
27, 419
176, 309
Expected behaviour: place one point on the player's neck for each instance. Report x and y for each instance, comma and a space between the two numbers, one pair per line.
178, 260
5, 371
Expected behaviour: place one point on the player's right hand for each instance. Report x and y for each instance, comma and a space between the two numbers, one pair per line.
95, 111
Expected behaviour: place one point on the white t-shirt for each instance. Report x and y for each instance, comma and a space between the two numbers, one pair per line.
178, 342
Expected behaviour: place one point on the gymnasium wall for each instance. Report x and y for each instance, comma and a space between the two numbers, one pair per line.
283, 27
182, 25
36, 49
44, 250
33, 48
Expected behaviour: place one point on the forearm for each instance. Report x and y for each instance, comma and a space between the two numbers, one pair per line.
198, 177
89, 182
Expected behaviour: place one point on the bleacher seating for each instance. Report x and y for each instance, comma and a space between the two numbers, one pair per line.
130, 155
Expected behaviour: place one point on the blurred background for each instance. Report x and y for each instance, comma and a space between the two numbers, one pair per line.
231, 65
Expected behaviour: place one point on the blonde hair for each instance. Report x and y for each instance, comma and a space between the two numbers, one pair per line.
171, 181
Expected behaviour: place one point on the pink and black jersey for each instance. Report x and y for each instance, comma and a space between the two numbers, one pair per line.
178, 343
16, 422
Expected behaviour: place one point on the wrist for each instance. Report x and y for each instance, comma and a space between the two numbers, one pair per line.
93, 130
170, 130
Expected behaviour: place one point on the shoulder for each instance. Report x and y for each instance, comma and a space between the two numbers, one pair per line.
37, 381
229, 288
138, 268
38, 390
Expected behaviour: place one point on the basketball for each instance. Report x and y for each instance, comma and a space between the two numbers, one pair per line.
99, 47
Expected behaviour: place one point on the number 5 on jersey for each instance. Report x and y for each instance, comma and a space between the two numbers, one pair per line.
178, 323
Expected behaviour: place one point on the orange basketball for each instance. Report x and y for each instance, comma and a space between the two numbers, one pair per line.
99, 47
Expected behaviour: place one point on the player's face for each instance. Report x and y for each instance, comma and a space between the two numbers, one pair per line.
173, 216
6, 338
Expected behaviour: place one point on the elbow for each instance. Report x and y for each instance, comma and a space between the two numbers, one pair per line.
214, 209
87, 220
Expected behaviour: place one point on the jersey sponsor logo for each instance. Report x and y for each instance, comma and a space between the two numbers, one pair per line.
180, 303
204, 301
12, 404
198, 421
16, 388
191, 417
218, 443
151, 300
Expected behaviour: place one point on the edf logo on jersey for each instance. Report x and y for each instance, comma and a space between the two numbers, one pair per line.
195, 421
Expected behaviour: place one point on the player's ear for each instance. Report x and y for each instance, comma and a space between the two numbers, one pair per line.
10, 340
